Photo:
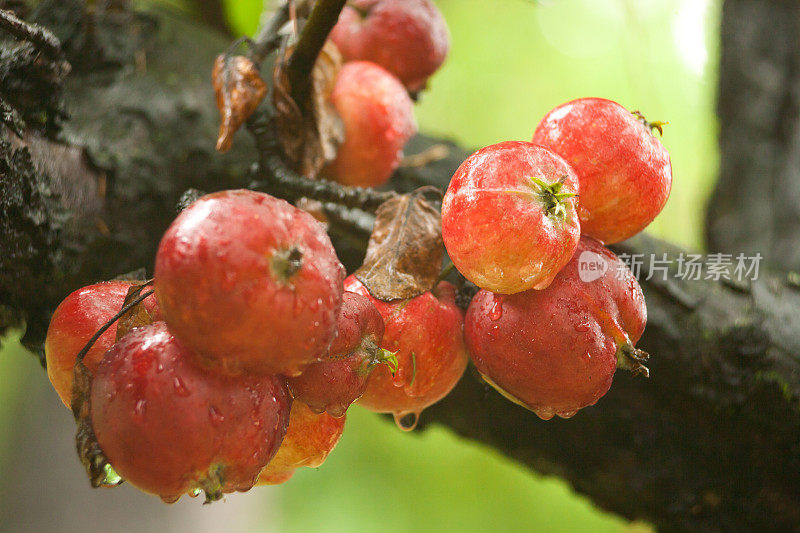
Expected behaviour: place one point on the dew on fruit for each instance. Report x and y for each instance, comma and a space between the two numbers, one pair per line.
139, 410
170, 499
544, 413
180, 387
583, 327
195, 493
406, 420
216, 417
567, 414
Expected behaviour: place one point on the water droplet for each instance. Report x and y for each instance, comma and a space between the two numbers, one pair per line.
170, 499
195, 493
544, 413
583, 327
160, 368
567, 414
496, 312
180, 387
139, 410
406, 420
216, 417
314, 305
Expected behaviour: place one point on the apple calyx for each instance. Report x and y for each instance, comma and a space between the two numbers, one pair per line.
656, 125
552, 197
286, 263
388, 358
211, 485
631, 358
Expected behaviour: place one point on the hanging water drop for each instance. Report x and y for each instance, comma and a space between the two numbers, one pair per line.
406, 420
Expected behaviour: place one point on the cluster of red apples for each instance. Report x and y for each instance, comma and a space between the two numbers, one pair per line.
240, 368
526, 222
390, 48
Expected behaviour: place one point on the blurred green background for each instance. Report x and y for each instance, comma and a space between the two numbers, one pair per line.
511, 61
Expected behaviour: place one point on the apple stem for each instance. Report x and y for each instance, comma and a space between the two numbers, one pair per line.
631, 358
655, 125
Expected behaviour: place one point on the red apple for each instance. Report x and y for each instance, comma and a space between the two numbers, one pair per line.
426, 332
74, 322
309, 440
555, 351
378, 118
170, 426
341, 378
624, 172
509, 217
250, 283
406, 37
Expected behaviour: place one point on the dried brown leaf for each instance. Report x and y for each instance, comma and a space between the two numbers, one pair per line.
239, 89
404, 255
137, 316
310, 137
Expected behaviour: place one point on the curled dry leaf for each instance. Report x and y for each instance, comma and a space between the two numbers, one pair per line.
137, 316
404, 255
239, 89
311, 136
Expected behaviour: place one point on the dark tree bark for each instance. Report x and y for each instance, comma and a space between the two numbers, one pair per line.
756, 204
710, 442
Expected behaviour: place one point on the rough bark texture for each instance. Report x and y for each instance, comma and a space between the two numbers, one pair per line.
756, 204
710, 442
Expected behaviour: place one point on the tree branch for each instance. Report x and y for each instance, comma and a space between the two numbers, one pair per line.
43, 39
755, 206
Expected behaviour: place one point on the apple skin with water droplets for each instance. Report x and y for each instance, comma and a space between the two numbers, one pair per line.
426, 332
509, 217
170, 426
555, 351
408, 38
378, 117
75, 321
624, 172
341, 378
310, 438
250, 283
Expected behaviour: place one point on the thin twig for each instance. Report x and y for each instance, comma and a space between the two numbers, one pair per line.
279, 180
268, 38
312, 38
272, 174
111, 321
